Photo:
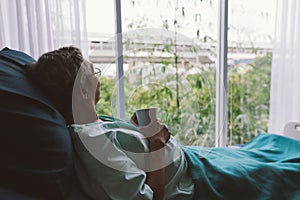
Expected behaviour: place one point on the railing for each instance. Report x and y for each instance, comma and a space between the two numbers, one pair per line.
155, 49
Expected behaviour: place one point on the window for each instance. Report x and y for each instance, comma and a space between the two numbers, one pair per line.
250, 36
169, 54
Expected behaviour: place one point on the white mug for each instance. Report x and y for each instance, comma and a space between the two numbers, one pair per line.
146, 116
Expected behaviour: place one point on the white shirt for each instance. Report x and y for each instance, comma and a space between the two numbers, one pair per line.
111, 162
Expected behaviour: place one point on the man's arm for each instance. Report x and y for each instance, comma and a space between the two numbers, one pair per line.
158, 136
156, 178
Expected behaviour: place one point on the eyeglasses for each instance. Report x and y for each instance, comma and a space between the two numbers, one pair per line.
97, 73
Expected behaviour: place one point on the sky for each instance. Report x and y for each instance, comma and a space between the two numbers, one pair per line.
247, 18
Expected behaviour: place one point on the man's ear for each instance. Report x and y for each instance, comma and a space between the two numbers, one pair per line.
84, 93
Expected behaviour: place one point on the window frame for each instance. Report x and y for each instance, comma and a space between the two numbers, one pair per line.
221, 72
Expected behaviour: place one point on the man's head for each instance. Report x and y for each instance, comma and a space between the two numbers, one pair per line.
56, 73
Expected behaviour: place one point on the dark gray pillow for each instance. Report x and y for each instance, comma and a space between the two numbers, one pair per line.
35, 146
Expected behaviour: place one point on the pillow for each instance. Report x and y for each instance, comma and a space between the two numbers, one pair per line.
35, 146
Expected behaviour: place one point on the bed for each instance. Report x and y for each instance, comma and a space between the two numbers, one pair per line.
22, 104
268, 167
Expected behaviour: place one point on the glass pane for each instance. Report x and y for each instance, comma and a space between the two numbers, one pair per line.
169, 61
101, 28
251, 30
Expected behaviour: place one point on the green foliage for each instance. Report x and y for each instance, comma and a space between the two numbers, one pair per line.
107, 91
198, 109
186, 101
193, 123
248, 97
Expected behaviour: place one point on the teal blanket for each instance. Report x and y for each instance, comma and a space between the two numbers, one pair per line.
268, 167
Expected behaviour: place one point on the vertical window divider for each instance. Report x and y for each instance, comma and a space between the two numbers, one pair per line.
221, 76
119, 62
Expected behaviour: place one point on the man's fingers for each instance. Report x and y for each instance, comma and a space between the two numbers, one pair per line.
134, 120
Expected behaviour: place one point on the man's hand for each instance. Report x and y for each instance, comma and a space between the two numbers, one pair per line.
134, 120
158, 135
160, 138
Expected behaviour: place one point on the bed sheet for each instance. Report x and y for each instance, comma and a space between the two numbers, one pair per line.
268, 167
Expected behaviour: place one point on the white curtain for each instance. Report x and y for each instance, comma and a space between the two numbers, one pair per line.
38, 26
285, 82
